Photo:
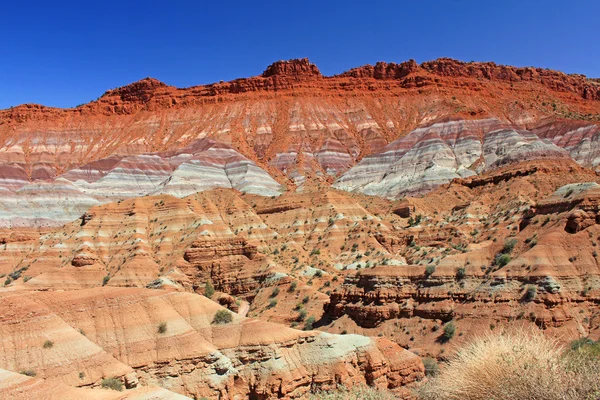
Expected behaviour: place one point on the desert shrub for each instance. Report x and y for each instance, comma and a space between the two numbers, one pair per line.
301, 315
359, 392
431, 366
209, 290
275, 292
222, 317
530, 293
502, 259
429, 270
28, 372
461, 273
162, 327
579, 343
515, 365
105, 280
293, 287
308, 324
318, 273
305, 299
272, 303
449, 332
112, 383
48, 344
509, 245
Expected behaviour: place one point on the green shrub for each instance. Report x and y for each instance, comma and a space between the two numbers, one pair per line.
112, 383
509, 245
530, 293
209, 290
105, 280
293, 287
275, 292
449, 331
162, 327
301, 315
579, 343
429, 270
48, 344
502, 259
308, 324
222, 317
305, 299
272, 303
461, 273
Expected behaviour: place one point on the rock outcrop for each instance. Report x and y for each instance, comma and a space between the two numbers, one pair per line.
116, 332
203, 165
431, 156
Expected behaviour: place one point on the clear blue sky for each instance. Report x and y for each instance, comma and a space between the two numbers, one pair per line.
63, 53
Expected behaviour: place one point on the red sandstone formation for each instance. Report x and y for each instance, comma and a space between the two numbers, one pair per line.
117, 216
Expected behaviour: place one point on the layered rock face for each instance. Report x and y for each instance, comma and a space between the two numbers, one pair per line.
485, 254
22, 387
291, 121
115, 332
117, 216
203, 165
429, 157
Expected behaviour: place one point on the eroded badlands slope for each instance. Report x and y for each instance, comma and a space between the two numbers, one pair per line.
354, 263
115, 332
377, 206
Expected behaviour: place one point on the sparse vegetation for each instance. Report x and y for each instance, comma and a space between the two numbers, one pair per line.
112, 383
209, 290
275, 292
518, 365
308, 324
162, 327
301, 315
509, 245
461, 273
449, 332
530, 293
359, 392
28, 372
222, 317
429, 270
502, 259
431, 366
48, 344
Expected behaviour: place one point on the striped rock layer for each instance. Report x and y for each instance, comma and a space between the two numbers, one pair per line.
114, 332
201, 166
434, 155
297, 126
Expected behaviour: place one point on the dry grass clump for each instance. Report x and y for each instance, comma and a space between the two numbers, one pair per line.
517, 365
359, 392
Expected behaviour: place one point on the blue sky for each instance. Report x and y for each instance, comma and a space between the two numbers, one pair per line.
65, 53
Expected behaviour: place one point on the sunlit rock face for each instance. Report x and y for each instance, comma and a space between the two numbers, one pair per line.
434, 155
202, 166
